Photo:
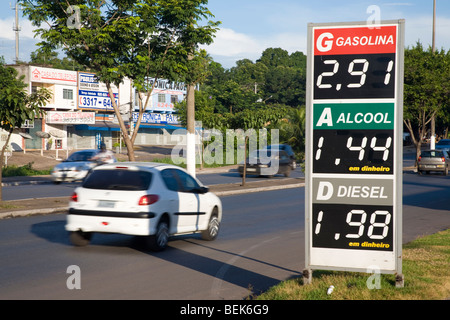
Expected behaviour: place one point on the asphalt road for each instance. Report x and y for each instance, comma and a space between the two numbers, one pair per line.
261, 243
66, 189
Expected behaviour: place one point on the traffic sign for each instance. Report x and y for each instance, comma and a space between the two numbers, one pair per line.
354, 146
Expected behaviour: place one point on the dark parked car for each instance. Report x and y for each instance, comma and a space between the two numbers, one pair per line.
433, 160
288, 149
267, 162
443, 144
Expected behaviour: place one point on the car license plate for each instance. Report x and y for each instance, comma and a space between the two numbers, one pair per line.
106, 204
430, 166
251, 169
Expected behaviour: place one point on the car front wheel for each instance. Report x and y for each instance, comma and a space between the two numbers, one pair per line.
212, 231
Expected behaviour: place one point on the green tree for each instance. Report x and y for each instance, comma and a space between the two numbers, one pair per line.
426, 90
285, 85
127, 38
232, 97
250, 76
16, 105
292, 129
48, 58
274, 57
285, 78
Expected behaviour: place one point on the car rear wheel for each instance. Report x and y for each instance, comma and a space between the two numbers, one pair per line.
212, 231
158, 241
445, 171
80, 238
287, 172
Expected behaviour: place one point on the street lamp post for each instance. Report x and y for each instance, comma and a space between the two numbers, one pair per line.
433, 48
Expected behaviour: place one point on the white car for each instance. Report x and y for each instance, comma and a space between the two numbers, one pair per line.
143, 199
75, 167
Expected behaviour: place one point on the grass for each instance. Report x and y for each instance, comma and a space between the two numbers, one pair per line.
426, 269
8, 205
26, 170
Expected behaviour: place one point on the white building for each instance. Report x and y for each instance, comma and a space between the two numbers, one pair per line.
80, 114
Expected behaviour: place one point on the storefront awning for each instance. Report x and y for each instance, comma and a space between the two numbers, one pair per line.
110, 126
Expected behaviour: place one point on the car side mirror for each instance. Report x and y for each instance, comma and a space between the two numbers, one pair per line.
201, 190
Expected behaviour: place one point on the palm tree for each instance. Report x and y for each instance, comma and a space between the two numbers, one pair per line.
292, 131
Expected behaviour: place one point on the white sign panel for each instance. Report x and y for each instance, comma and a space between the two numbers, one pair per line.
156, 118
57, 117
54, 76
93, 94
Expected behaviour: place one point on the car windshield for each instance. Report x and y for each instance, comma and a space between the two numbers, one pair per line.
80, 156
118, 180
444, 143
432, 154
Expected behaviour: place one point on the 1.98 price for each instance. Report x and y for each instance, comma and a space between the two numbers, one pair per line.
352, 226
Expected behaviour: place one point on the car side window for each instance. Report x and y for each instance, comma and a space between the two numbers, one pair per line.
170, 180
180, 181
187, 183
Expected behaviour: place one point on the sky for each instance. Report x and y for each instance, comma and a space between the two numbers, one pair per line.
248, 27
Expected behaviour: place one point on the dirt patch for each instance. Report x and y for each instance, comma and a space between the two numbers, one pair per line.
39, 162
47, 159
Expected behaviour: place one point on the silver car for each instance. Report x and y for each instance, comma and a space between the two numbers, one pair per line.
75, 167
433, 160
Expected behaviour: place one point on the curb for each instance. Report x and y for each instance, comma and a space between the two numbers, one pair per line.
258, 189
24, 213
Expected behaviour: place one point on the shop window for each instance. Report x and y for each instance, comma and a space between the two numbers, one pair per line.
68, 94
58, 144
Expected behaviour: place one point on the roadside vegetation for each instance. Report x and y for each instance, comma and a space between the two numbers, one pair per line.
25, 170
426, 270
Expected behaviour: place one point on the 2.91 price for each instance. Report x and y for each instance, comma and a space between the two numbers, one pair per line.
354, 77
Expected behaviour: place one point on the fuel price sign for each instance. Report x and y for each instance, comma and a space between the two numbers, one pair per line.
354, 146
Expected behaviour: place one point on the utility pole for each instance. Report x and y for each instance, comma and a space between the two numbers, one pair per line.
190, 137
433, 48
190, 125
434, 27
16, 28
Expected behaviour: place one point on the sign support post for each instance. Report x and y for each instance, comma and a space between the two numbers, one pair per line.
354, 148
